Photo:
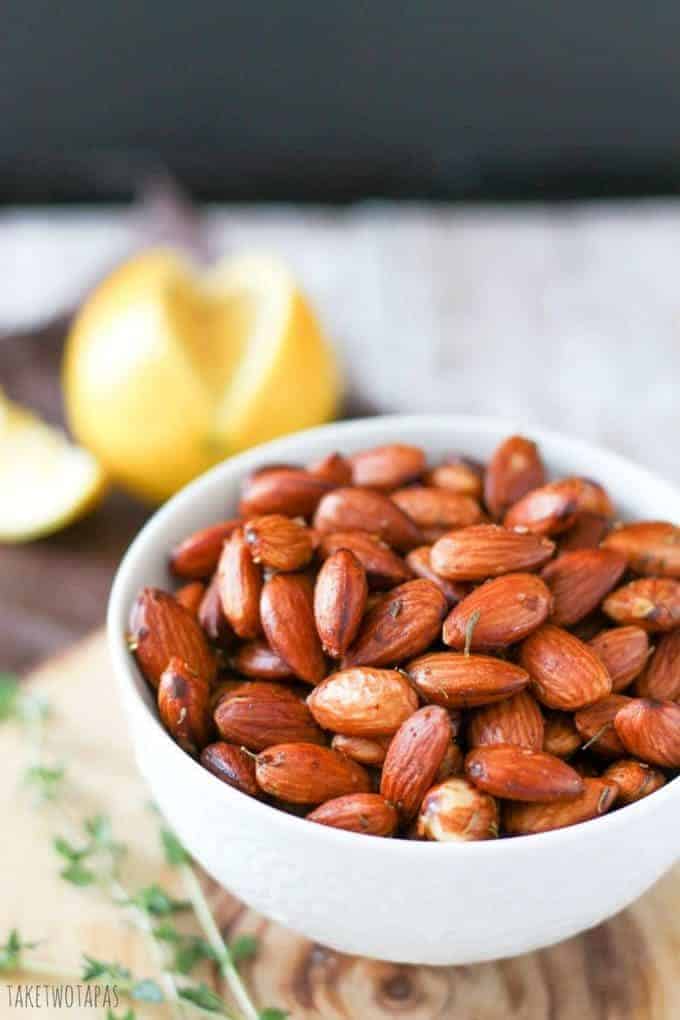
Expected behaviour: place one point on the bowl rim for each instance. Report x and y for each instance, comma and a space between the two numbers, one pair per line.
289, 824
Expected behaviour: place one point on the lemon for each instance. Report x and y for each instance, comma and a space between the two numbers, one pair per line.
46, 481
169, 370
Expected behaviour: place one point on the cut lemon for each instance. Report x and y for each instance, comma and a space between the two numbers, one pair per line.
46, 482
168, 370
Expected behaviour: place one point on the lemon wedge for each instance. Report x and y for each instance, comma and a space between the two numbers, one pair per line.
169, 370
46, 482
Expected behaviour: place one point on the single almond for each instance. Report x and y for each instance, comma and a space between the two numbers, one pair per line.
515, 720
334, 469
565, 673
232, 765
586, 532
282, 490
596, 726
650, 547
402, 624
367, 813
661, 678
239, 581
211, 616
198, 555
634, 779
554, 507
365, 750
650, 730
384, 568
413, 759
190, 596
162, 629
651, 603
308, 774
288, 620
184, 706
259, 714
515, 468
579, 580
387, 467
458, 474
560, 736
455, 811
349, 509
437, 508
488, 550
498, 613
624, 652
340, 596
598, 797
420, 562
520, 773
256, 659
455, 680
278, 542
363, 702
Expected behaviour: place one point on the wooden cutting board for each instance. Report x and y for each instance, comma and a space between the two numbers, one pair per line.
627, 969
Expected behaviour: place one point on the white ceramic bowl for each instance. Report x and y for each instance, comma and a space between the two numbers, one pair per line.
393, 899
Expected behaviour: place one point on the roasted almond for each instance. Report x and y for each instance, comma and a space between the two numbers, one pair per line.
367, 510
579, 581
565, 673
288, 621
340, 596
211, 616
634, 779
232, 765
160, 630
456, 680
413, 759
597, 797
650, 547
498, 613
488, 550
184, 706
308, 774
259, 714
368, 813
365, 750
387, 467
239, 580
650, 730
419, 560
596, 726
661, 678
190, 596
282, 490
650, 603
624, 652
363, 702
515, 468
403, 623
453, 762
560, 736
586, 532
554, 507
334, 469
384, 568
520, 773
458, 474
455, 811
278, 542
198, 555
516, 720
437, 508
256, 659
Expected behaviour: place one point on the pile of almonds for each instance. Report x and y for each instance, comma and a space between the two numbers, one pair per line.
485, 652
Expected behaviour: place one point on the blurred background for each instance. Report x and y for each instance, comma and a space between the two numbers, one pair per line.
477, 202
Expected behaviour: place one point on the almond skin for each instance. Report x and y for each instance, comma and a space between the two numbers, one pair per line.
387, 467
413, 759
453, 762
579, 581
650, 603
340, 596
455, 811
554, 507
288, 621
455, 680
586, 532
437, 508
334, 469
515, 468
384, 569
598, 796
624, 652
211, 616
368, 813
596, 726
197, 556
516, 720
499, 613
367, 510
650, 730
420, 562
560, 736
362, 749
256, 659
184, 706
565, 673
240, 585
363, 702
650, 547
279, 542
282, 490
634, 779
162, 629
458, 474
232, 765
519, 773
661, 678
257, 715
488, 550
190, 596
307, 774
403, 623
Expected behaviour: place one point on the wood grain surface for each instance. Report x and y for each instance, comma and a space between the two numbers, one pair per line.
626, 969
